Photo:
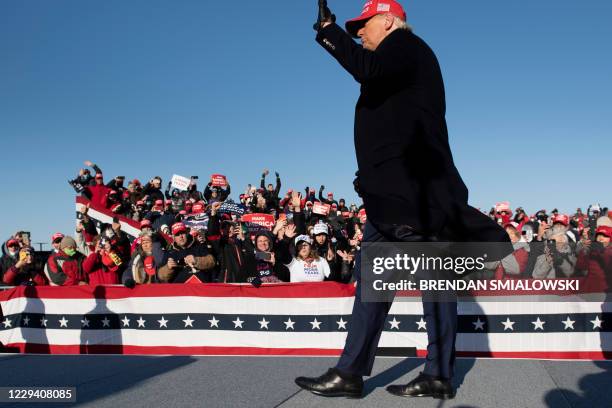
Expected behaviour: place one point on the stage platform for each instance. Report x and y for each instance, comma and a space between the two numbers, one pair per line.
197, 381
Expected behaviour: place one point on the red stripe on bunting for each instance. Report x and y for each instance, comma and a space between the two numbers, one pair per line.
165, 350
257, 351
106, 211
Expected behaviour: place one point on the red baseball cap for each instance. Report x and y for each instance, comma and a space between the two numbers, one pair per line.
197, 208
178, 227
562, 218
512, 224
56, 236
330, 194
604, 230
136, 181
372, 8
12, 242
145, 223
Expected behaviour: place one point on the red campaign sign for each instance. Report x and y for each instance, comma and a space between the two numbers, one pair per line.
320, 208
362, 216
255, 222
218, 180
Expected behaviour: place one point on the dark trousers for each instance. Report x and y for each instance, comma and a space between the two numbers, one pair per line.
369, 318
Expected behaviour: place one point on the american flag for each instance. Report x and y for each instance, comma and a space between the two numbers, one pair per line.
281, 319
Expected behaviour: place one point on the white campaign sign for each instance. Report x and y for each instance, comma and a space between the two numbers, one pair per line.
180, 182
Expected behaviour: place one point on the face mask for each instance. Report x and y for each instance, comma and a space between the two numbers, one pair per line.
12, 252
70, 251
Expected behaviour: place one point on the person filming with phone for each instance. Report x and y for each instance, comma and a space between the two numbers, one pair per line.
187, 259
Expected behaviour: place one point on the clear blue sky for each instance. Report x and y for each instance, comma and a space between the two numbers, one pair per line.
148, 88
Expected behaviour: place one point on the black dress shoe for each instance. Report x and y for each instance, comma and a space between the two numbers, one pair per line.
424, 386
333, 384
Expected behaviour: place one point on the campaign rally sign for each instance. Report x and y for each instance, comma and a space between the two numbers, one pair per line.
257, 222
362, 216
320, 208
218, 180
180, 182
230, 207
197, 221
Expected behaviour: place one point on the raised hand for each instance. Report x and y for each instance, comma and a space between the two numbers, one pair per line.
290, 231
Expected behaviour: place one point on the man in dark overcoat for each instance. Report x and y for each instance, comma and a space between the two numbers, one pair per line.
410, 186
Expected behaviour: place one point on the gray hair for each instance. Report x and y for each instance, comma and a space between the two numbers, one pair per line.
401, 24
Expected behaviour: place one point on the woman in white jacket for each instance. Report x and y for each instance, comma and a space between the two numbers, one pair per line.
307, 265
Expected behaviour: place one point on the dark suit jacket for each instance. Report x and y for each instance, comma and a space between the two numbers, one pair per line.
406, 169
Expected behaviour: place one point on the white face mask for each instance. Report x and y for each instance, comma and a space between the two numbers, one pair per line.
12, 252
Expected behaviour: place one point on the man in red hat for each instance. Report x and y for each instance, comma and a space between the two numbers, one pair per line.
188, 260
596, 259
410, 186
11, 256
98, 193
56, 239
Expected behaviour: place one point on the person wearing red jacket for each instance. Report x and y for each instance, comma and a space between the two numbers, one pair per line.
64, 268
103, 264
596, 259
24, 272
98, 193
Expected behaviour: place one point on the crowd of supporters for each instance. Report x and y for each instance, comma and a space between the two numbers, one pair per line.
189, 235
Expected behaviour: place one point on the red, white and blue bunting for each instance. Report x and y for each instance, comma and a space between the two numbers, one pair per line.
281, 319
